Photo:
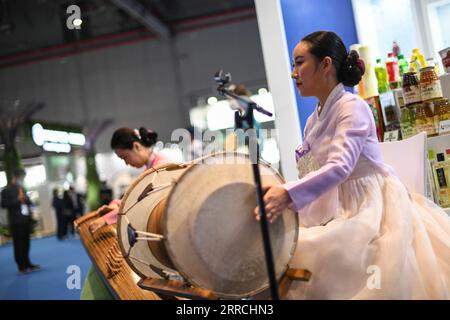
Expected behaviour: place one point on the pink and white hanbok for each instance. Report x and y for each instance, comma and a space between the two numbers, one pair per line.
362, 234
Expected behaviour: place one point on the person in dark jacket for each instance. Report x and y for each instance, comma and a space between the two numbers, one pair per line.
73, 208
106, 194
58, 205
15, 200
69, 205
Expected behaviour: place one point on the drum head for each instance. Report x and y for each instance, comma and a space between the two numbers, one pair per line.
137, 213
212, 236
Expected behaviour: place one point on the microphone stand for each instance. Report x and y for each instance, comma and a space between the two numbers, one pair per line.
245, 121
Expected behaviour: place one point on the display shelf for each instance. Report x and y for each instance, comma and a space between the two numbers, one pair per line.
439, 144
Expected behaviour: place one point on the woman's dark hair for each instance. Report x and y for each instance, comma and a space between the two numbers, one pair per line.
124, 138
349, 67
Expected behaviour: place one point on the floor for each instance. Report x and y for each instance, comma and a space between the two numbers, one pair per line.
64, 266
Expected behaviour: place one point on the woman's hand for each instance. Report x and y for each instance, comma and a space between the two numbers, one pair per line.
276, 200
96, 224
104, 209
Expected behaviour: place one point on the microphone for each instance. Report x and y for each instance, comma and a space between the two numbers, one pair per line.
242, 102
222, 79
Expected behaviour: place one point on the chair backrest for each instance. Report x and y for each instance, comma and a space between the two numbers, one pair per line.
408, 159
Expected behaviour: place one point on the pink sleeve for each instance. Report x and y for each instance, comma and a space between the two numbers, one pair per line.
111, 217
161, 159
352, 129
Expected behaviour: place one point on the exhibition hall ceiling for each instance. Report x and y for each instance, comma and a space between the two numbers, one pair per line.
27, 26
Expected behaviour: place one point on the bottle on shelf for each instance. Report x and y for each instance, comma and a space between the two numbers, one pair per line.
425, 119
358, 89
382, 77
370, 91
412, 100
430, 85
407, 122
441, 112
395, 49
414, 66
393, 71
417, 55
431, 62
402, 65
411, 88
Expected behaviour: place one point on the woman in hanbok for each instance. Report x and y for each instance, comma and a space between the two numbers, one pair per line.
362, 234
135, 148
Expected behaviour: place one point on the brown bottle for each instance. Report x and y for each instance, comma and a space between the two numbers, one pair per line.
411, 88
441, 112
430, 85
375, 106
425, 119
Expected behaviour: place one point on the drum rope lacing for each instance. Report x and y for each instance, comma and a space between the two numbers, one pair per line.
135, 235
151, 190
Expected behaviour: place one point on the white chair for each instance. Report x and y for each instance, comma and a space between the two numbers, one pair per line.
408, 158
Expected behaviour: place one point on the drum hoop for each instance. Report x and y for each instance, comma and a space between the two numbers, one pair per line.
171, 254
125, 196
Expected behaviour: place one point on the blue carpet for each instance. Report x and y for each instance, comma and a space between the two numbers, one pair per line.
49, 283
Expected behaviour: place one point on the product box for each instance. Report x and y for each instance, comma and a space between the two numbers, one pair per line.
441, 174
391, 115
445, 55
445, 85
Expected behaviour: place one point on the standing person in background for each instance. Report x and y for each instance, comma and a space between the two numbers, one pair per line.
106, 194
69, 205
81, 200
58, 205
74, 208
15, 200
135, 147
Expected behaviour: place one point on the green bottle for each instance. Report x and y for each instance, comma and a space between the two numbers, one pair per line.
407, 122
382, 77
402, 65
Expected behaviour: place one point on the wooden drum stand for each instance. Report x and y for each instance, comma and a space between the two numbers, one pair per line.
103, 249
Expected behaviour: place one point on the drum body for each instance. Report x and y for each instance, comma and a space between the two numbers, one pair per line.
204, 211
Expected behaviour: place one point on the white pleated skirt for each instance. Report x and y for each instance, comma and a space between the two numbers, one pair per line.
382, 244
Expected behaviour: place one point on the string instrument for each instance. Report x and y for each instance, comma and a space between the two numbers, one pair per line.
104, 252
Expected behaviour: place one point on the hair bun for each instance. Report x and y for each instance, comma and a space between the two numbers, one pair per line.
147, 137
352, 69
361, 65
